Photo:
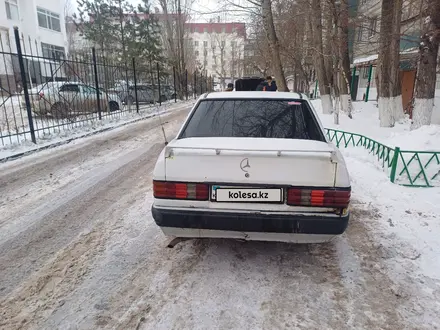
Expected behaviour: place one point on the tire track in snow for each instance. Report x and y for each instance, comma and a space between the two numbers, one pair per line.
42, 293
28, 182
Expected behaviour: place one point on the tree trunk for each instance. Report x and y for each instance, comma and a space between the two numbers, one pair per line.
330, 17
390, 97
266, 6
384, 68
345, 76
324, 86
395, 78
169, 31
426, 73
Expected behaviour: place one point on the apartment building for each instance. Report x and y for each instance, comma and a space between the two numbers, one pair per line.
366, 48
219, 50
41, 22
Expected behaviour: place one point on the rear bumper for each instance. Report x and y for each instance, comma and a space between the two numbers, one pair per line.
248, 222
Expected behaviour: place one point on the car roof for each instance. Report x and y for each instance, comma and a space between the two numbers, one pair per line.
254, 95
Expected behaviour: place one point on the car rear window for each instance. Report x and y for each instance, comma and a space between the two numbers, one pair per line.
285, 119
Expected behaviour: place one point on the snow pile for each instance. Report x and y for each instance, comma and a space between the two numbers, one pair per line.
366, 122
405, 231
410, 165
423, 138
405, 228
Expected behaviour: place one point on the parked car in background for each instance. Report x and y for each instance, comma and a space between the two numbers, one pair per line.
146, 93
72, 98
35, 90
168, 92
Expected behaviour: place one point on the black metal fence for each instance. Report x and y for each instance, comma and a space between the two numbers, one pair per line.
44, 92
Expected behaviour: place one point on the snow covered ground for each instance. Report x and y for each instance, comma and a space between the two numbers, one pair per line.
366, 122
81, 251
406, 222
60, 134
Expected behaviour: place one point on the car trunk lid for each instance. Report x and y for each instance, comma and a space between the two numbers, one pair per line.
251, 161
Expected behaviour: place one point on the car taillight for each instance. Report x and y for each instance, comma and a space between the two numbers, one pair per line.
177, 190
319, 198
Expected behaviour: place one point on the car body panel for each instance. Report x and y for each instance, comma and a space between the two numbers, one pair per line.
273, 163
76, 97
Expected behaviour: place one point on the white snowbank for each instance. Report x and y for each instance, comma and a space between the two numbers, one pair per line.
366, 122
408, 219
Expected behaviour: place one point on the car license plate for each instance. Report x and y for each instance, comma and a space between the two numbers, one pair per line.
250, 195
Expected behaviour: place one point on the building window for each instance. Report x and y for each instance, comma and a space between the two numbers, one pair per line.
360, 33
52, 51
372, 27
48, 20
12, 10
196, 29
365, 72
196, 44
197, 53
205, 44
223, 30
409, 10
205, 30
205, 52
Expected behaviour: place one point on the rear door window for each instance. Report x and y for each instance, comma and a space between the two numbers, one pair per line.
69, 88
284, 119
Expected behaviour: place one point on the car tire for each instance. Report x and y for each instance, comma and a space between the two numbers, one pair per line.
129, 100
113, 106
59, 110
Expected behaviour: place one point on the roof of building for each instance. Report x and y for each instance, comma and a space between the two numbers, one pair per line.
239, 28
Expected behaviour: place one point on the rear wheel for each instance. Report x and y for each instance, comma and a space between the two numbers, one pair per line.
129, 100
113, 106
59, 110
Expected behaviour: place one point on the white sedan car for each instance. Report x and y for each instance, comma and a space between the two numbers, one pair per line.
252, 166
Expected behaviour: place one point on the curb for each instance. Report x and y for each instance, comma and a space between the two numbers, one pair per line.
69, 140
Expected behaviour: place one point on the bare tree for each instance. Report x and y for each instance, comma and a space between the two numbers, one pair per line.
175, 36
345, 73
324, 84
426, 73
218, 47
390, 98
266, 8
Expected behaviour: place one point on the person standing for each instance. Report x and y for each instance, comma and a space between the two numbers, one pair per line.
269, 85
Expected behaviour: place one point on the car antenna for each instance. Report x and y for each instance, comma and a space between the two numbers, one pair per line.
161, 125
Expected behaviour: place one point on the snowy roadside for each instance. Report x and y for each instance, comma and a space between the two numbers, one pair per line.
406, 226
366, 122
405, 230
61, 136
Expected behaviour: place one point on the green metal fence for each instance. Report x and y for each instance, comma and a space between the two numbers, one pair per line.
404, 167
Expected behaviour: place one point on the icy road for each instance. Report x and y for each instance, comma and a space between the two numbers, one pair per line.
79, 250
